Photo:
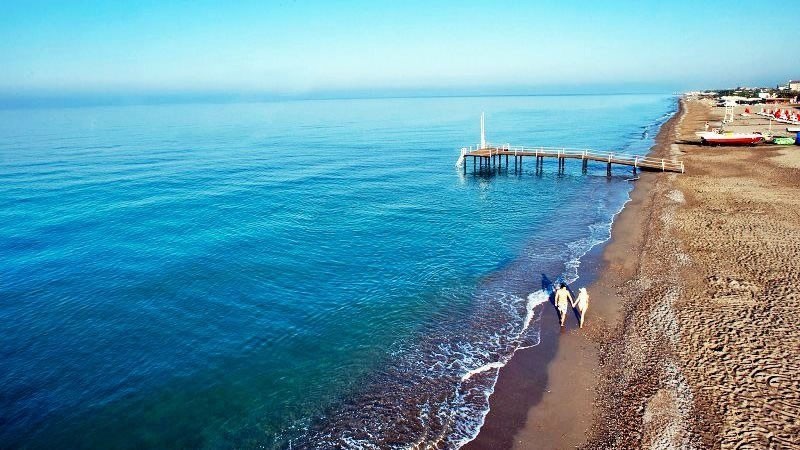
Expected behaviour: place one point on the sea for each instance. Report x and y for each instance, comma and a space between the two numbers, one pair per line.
287, 274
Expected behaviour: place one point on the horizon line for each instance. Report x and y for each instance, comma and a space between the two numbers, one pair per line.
22, 101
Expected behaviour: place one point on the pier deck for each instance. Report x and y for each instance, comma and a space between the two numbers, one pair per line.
491, 156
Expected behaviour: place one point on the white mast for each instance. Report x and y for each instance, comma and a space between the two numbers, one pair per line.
483, 133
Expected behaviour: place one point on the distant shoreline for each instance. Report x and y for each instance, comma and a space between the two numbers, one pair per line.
78, 100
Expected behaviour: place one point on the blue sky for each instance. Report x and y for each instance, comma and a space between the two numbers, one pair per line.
297, 48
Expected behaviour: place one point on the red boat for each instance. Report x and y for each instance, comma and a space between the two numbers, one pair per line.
729, 138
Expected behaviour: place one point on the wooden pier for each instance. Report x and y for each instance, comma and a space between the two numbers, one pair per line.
489, 157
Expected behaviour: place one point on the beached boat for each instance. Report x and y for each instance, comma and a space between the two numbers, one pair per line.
783, 140
729, 138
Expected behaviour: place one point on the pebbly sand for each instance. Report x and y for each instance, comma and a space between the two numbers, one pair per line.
690, 340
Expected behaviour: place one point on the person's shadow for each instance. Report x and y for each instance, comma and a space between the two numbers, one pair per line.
550, 288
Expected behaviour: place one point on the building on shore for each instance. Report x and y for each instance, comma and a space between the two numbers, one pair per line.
794, 85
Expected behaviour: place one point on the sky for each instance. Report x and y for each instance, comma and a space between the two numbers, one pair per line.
306, 47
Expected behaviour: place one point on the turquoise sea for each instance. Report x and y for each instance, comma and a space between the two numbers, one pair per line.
304, 274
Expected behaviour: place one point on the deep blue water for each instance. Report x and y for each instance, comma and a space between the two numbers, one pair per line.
308, 273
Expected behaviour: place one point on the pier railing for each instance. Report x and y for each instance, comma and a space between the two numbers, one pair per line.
609, 157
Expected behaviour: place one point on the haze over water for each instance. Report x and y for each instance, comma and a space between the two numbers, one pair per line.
314, 272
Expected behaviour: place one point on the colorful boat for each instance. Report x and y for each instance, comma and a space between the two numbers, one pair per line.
729, 138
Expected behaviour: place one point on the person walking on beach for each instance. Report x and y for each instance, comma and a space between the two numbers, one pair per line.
581, 303
563, 298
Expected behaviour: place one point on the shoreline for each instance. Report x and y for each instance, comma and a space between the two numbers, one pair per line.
544, 397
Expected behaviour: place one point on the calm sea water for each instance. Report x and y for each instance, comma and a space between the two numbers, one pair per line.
306, 274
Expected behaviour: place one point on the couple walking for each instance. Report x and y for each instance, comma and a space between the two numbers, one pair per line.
563, 298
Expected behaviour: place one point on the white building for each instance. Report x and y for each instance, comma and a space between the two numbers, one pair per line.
794, 85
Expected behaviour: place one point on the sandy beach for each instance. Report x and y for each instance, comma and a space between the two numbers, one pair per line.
348, 225
689, 341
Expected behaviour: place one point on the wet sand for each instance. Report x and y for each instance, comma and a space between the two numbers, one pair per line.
689, 340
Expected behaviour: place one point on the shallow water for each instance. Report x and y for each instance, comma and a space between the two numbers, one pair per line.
309, 273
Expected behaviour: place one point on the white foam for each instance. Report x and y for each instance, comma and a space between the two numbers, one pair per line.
534, 299
460, 162
470, 428
483, 368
